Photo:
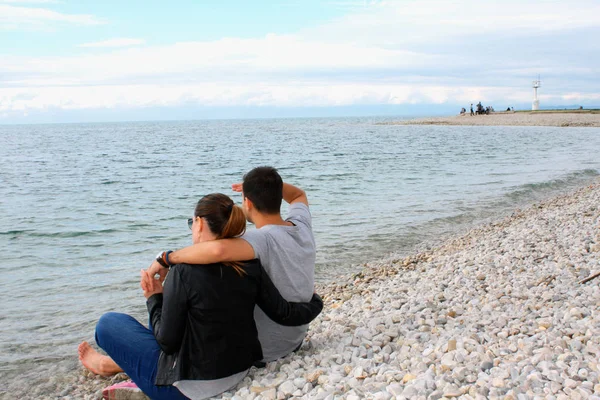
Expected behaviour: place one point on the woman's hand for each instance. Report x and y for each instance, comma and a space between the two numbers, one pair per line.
156, 268
149, 285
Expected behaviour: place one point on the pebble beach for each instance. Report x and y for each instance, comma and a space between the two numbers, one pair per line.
540, 118
500, 312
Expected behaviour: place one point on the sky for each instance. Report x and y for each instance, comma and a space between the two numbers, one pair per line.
79, 61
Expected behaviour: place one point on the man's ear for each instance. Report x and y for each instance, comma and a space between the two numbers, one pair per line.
248, 203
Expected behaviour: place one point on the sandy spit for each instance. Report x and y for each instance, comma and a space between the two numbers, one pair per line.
560, 119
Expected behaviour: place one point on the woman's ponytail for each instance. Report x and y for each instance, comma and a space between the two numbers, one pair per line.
224, 218
235, 225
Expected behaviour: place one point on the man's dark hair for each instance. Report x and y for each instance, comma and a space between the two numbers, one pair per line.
264, 187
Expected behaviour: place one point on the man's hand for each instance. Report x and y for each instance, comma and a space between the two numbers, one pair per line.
156, 268
237, 187
149, 285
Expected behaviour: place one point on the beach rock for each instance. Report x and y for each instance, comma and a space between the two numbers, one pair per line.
269, 394
287, 388
486, 365
395, 389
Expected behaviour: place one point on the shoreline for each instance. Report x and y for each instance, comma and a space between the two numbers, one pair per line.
519, 118
494, 313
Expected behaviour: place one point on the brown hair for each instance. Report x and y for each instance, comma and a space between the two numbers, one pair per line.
224, 219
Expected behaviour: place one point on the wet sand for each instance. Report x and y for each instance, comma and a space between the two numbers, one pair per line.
560, 119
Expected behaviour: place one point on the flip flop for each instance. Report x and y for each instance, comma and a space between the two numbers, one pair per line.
126, 390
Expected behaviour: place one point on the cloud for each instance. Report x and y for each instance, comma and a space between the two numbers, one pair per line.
121, 42
236, 59
22, 18
415, 22
280, 94
425, 52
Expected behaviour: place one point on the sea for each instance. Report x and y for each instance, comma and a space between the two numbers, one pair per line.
84, 207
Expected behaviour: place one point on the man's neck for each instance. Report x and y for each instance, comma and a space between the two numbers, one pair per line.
261, 220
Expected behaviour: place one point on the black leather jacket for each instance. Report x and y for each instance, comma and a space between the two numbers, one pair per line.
204, 320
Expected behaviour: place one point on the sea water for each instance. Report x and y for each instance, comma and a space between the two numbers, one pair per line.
83, 207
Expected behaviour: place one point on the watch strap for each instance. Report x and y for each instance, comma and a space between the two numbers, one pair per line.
162, 259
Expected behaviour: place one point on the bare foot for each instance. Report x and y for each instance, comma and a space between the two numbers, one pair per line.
96, 362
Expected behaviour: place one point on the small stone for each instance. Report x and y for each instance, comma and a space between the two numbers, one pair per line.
451, 345
448, 360
359, 373
408, 378
459, 373
395, 389
409, 392
314, 376
483, 390
452, 392
544, 324
451, 313
287, 388
498, 382
348, 369
269, 394
436, 395
570, 383
392, 333
259, 389
575, 312
487, 365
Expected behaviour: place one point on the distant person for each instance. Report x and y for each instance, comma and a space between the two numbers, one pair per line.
472, 113
285, 247
508, 109
480, 109
462, 111
203, 339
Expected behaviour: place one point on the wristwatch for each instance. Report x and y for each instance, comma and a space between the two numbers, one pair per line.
162, 258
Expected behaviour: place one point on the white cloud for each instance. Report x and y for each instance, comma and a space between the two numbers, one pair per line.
16, 17
387, 53
228, 94
423, 21
235, 58
121, 42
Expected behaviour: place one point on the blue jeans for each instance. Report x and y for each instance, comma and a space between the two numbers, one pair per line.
133, 347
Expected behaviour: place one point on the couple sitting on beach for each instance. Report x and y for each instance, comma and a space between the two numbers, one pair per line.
205, 331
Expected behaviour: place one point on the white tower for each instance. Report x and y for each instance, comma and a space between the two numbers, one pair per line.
536, 103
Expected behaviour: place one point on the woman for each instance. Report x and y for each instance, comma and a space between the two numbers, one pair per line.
202, 338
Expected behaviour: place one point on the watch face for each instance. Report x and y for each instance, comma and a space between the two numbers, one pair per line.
159, 255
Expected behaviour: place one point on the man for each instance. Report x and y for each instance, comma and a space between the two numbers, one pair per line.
285, 248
